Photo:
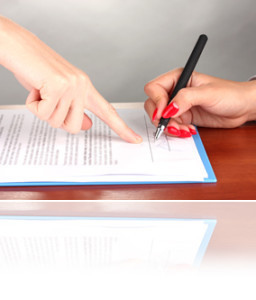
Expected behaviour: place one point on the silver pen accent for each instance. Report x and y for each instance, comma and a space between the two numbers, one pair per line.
159, 131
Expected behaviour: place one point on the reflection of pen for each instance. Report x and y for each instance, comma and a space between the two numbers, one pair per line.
184, 77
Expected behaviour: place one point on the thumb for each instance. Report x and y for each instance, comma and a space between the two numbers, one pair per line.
185, 99
86, 123
33, 101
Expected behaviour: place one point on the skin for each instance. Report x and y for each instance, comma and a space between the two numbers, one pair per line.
206, 101
58, 91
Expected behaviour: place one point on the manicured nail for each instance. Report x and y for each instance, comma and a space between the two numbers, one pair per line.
192, 131
185, 133
170, 110
173, 130
154, 115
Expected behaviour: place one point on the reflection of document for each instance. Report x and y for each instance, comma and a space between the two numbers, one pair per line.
92, 242
30, 151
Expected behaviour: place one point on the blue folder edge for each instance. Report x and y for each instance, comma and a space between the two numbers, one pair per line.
198, 258
200, 148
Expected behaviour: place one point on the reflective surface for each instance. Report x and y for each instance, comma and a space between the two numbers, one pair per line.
227, 270
234, 236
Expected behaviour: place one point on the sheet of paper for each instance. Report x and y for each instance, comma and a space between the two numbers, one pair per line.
30, 150
92, 242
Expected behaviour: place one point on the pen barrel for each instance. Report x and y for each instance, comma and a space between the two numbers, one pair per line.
186, 73
164, 121
190, 65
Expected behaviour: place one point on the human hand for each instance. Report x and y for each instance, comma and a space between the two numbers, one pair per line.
58, 92
206, 101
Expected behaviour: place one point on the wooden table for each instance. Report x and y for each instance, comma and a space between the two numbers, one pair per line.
232, 153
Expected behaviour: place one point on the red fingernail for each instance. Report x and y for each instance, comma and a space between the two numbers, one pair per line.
173, 130
185, 133
192, 131
154, 115
170, 110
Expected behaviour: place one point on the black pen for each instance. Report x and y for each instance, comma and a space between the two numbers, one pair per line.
183, 80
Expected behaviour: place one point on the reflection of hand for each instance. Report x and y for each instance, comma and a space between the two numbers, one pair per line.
59, 92
206, 101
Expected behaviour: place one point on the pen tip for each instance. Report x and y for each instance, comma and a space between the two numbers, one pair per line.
159, 131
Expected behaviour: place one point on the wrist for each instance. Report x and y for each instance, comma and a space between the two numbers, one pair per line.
15, 45
251, 99
4, 37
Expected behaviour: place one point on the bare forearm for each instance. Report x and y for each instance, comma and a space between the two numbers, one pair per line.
19, 49
10, 35
3, 39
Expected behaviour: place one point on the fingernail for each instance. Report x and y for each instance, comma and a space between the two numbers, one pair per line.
192, 131
138, 139
173, 130
154, 114
170, 110
185, 133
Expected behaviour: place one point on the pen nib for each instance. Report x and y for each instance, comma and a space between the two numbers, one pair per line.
159, 131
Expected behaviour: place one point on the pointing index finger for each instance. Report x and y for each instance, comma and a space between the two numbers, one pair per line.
107, 113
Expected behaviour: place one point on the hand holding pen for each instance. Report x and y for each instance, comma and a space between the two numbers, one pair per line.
206, 101
182, 82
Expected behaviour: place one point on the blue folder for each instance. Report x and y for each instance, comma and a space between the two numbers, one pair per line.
200, 148
211, 223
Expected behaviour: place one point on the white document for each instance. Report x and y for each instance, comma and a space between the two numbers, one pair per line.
93, 242
32, 151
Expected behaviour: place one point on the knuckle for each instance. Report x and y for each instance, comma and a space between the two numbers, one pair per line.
61, 82
43, 115
152, 91
72, 79
84, 81
147, 87
55, 123
210, 89
83, 78
45, 91
183, 94
146, 104
178, 70
75, 80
